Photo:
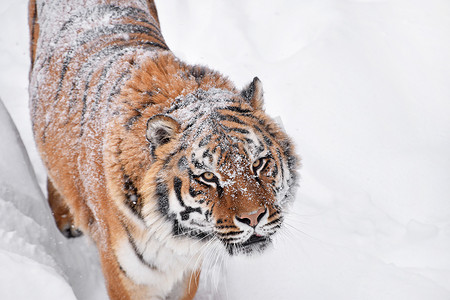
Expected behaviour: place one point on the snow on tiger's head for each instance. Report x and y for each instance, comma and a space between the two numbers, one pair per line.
224, 171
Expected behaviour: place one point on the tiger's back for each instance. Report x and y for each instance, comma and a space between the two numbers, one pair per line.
80, 60
146, 154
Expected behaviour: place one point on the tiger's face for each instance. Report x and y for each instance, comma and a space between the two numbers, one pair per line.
226, 174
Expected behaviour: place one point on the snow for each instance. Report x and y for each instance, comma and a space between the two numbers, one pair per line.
362, 86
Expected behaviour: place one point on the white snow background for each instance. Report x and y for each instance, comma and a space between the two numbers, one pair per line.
364, 89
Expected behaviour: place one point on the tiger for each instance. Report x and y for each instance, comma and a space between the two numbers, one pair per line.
156, 160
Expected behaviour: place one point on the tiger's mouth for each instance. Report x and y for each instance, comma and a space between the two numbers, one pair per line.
255, 238
254, 244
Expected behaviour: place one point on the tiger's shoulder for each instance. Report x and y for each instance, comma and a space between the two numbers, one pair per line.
156, 84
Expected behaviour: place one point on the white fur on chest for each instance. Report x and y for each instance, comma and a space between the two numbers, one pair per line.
165, 260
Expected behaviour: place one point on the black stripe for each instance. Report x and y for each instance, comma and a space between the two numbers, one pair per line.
84, 101
281, 163
177, 184
198, 165
245, 151
267, 141
189, 127
187, 211
257, 128
216, 182
102, 78
207, 154
198, 72
136, 250
273, 135
210, 212
226, 158
204, 141
274, 227
230, 240
63, 72
291, 158
282, 170
261, 122
224, 226
219, 190
121, 268
235, 129
132, 120
260, 149
195, 193
168, 159
275, 170
273, 214
133, 199
230, 118
116, 29
117, 87
249, 141
178, 230
237, 109
230, 233
162, 194
276, 221
183, 163
221, 154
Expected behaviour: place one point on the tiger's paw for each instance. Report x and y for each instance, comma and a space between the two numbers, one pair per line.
70, 231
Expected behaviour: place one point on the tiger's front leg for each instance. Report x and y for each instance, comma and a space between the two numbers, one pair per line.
61, 212
119, 286
191, 283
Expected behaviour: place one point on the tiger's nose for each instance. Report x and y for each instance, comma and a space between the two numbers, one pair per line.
252, 218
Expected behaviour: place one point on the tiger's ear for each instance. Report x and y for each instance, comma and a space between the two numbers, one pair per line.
253, 93
160, 130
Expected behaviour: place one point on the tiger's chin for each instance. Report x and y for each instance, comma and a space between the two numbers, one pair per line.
254, 245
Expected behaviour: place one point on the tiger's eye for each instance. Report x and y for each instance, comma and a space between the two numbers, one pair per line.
208, 176
257, 164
